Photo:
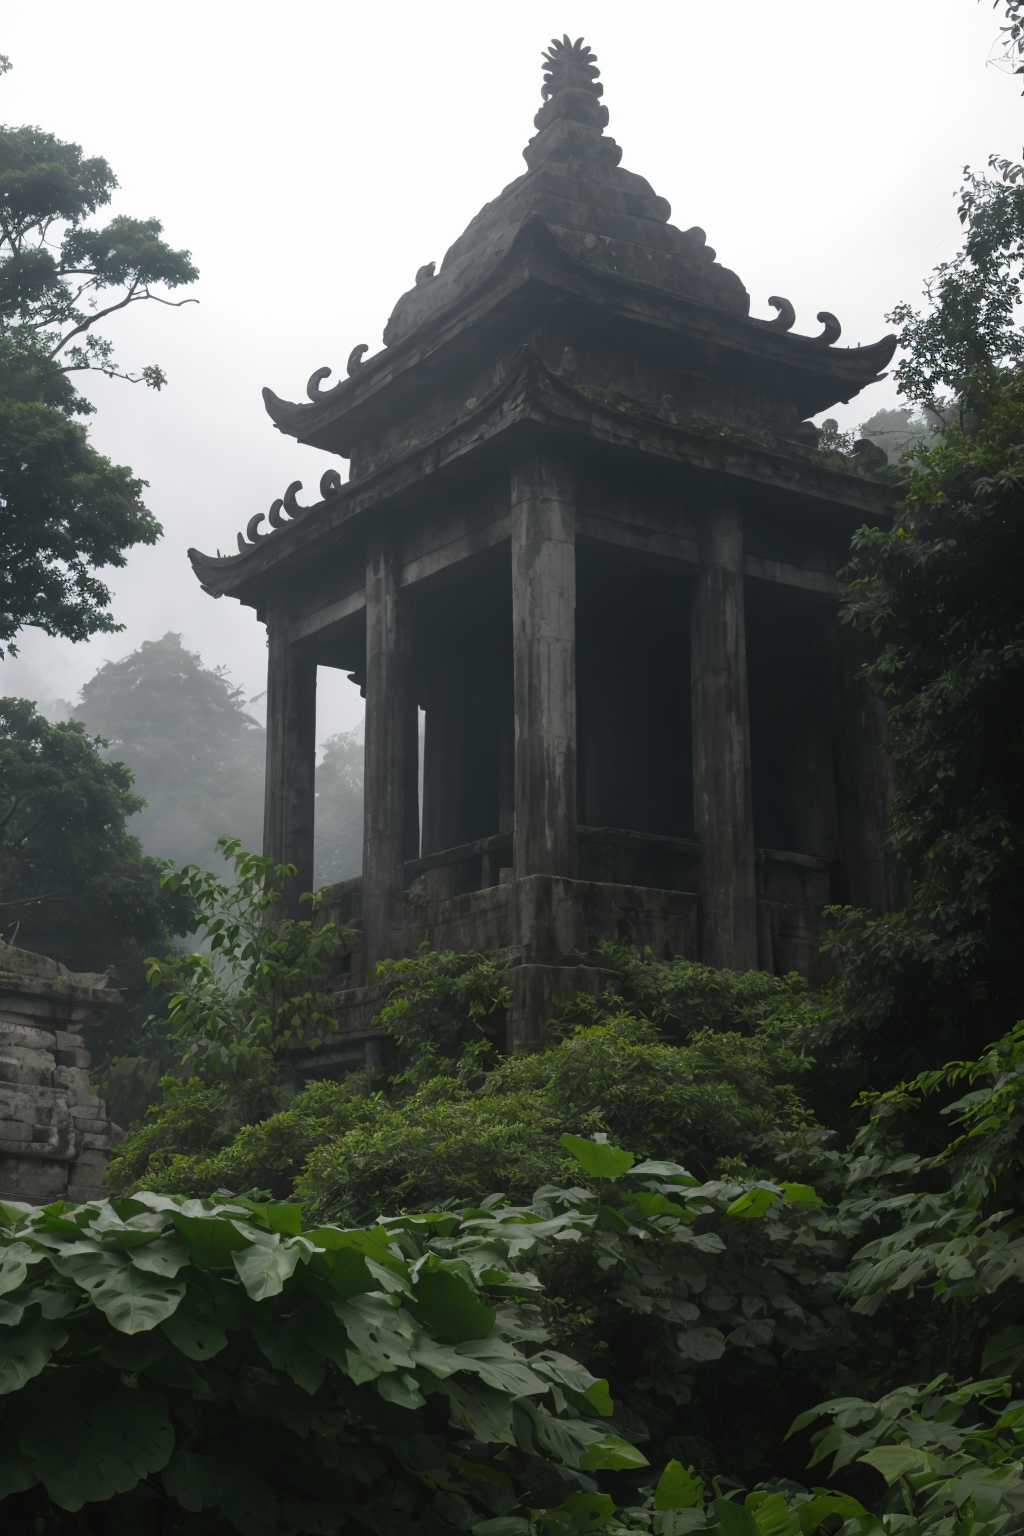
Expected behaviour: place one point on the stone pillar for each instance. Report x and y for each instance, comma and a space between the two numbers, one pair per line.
55, 1134
863, 773
389, 778
723, 816
544, 661
291, 761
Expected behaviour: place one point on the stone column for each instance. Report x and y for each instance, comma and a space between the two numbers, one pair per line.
863, 773
723, 815
544, 660
291, 760
389, 778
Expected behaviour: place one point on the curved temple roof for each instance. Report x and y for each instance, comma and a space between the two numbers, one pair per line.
576, 204
603, 216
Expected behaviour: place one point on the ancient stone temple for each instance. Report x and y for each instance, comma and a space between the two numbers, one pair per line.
587, 532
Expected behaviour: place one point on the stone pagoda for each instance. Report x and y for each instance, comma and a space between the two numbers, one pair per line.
587, 532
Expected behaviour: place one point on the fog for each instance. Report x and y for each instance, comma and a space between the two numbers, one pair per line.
312, 156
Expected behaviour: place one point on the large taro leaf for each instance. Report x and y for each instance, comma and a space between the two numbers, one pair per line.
132, 1299
298, 1344
195, 1329
211, 1239
14, 1261
263, 1268
197, 1482
450, 1308
381, 1336
87, 1447
677, 1489
16, 1472
599, 1158
486, 1414
25, 1354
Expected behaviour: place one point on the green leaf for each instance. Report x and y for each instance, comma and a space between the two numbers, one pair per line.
772, 1514
811, 1514
25, 1355
211, 1239
131, 1299
86, 1449
194, 1330
611, 1454
735, 1519
587, 1511
164, 1255
16, 1474
504, 1525
677, 1489
650, 1204
599, 1398
894, 1461
279, 1218
671, 1172
798, 1194
753, 1203
700, 1344
598, 1157
263, 1268
14, 1262
1004, 1352
450, 1308
197, 1482
401, 1387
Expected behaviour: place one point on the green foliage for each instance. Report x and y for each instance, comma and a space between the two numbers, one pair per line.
442, 1006
74, 883
166, 1358
67, 510
196, 755
942, 592
944, 1475
681, 997
232, 1010
50, 291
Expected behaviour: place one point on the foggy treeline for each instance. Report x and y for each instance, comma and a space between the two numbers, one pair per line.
198, 755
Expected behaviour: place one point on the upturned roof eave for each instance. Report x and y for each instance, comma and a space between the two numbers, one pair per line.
822, 376
533, 392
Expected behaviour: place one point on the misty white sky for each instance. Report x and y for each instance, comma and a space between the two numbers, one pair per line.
313, 155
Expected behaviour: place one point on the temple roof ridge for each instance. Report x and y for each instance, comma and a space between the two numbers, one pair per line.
600, 213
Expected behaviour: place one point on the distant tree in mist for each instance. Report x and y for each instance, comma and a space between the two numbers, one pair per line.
196, 754
339, 809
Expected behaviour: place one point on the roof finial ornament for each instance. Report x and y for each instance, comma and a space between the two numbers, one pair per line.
568, 64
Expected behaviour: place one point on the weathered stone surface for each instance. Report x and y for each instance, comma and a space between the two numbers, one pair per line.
17, 1034
54, 1131
21, 1064
29, 1178
73, 1058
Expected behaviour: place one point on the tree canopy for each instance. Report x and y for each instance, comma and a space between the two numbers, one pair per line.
67, 510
